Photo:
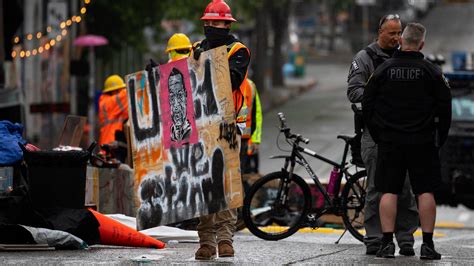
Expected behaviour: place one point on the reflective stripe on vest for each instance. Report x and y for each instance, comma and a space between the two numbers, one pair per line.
242, 104
108, 121
256, 115
113, 113
249, 97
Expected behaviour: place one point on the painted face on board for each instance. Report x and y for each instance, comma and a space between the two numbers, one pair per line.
177, 98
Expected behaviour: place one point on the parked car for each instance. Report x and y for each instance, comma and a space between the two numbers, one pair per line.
457, 154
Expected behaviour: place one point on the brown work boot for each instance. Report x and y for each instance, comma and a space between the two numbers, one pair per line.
225, 249
205, 252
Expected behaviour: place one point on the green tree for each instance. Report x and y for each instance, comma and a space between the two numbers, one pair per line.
270, 18
122, 21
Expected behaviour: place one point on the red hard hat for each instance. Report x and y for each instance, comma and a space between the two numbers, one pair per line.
218, 10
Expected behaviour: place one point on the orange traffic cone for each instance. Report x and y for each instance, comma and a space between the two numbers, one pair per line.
118, 234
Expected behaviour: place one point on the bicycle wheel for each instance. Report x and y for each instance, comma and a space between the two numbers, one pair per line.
353, 203
265, 215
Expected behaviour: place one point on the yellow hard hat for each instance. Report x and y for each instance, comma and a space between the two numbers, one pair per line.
178, 41
112, 83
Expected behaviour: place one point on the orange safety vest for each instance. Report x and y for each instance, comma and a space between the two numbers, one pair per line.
243, 96
113, 112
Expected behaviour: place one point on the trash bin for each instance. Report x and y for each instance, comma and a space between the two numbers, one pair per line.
458, 59
299, 65
57, 178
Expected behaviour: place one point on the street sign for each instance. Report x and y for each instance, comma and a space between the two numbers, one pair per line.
365, 2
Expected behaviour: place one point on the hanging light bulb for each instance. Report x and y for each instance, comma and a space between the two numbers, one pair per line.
22, 54
34, 52
13, 54
28, 53
49, 29
47, 46
40, 49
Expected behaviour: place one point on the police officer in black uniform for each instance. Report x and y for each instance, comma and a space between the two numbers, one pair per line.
407, 107
363, 65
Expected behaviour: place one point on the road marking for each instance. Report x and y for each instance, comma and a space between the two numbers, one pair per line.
464, 217
325, 230
446, 224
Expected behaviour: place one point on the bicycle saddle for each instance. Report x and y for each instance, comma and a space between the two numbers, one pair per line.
345, 138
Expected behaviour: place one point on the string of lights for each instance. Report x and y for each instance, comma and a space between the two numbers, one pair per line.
45, 45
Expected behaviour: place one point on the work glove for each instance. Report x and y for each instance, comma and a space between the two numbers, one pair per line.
252, 148
197, 53
151, 65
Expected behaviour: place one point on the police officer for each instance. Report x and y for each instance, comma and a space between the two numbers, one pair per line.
407, 107
363, 65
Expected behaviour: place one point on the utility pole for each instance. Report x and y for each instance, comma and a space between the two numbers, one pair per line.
73, 81
365, 23
2, 39
365, 18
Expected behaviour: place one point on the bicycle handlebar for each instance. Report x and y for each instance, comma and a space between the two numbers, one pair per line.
286, 130
282, 118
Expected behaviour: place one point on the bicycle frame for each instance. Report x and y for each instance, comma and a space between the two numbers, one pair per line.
297, 157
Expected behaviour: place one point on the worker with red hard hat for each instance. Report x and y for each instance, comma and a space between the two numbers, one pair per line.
216, 230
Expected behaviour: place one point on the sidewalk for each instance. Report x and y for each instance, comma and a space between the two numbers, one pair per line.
293, 87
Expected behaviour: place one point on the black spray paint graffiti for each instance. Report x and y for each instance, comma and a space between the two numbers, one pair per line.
204, 98
142, 134
190, 188
228, 132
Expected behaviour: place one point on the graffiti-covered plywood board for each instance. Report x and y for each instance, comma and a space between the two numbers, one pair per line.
184, 140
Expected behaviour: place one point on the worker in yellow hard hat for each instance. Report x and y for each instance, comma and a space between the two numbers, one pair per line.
113, 110
179, 47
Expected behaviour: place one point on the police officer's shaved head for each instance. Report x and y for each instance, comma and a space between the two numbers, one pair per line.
413, 36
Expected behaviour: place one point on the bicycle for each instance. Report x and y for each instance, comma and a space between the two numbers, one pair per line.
284, 199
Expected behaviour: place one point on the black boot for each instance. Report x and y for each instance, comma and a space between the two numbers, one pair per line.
386, 251
429, 253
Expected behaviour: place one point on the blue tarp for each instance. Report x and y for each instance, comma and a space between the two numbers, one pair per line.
10, 135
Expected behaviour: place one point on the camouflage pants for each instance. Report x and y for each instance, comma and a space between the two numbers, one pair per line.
407, 213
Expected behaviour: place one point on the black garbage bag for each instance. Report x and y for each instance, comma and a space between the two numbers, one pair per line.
16, 206
78, 222
15, 234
